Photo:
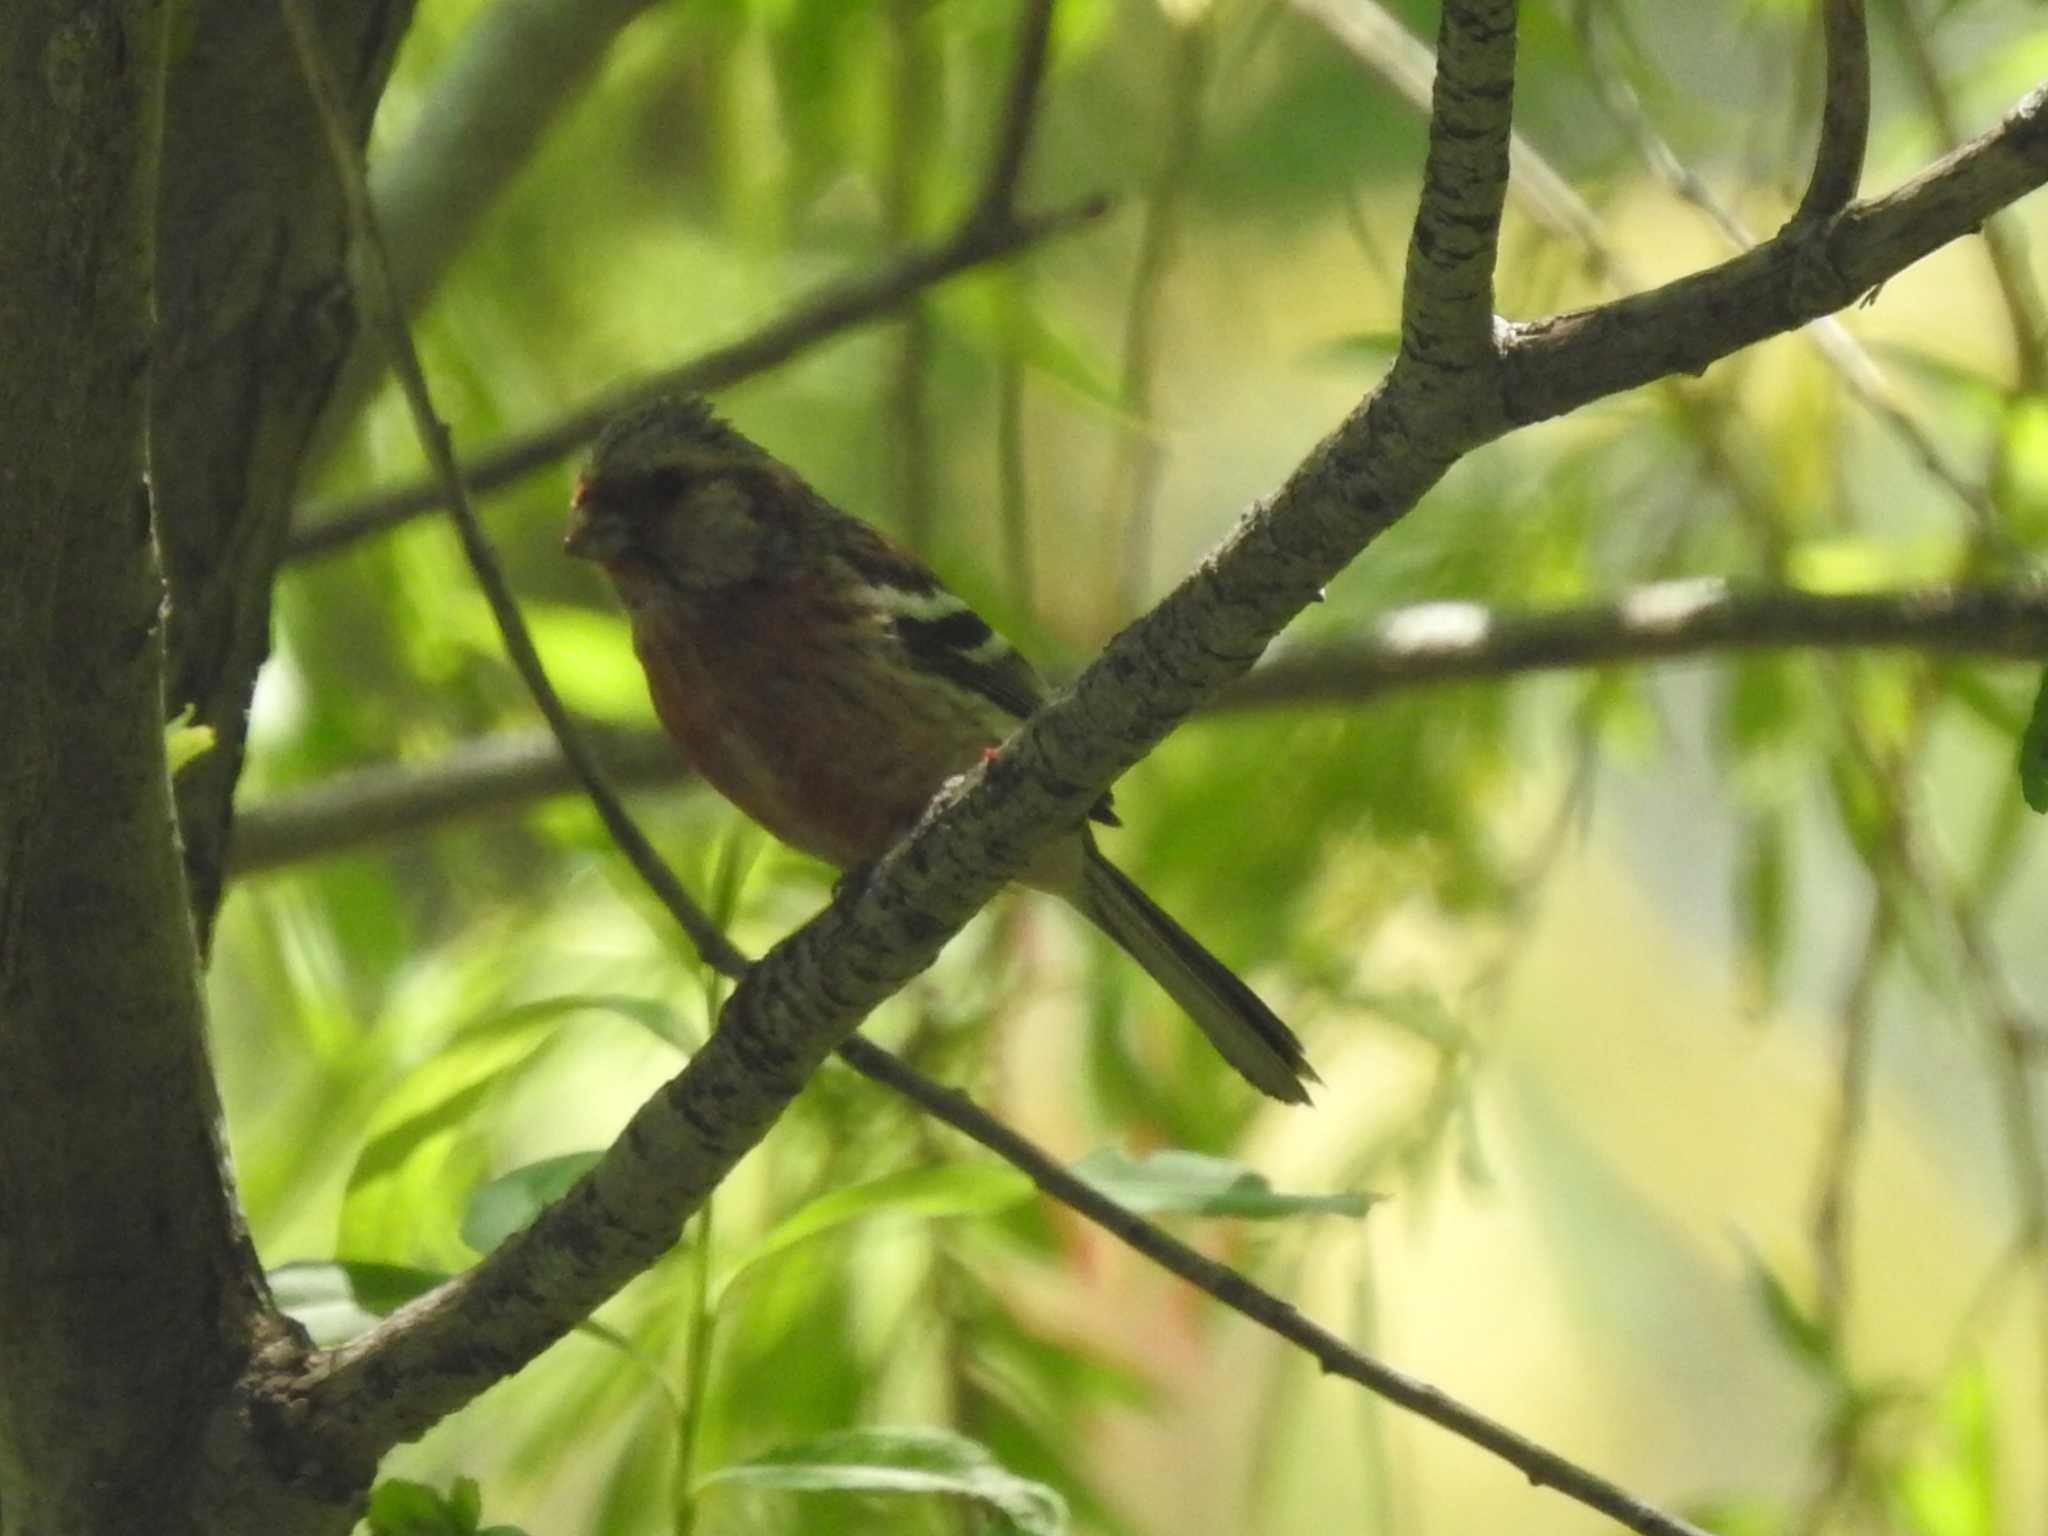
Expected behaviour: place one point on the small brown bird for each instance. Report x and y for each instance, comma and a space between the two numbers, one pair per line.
822, 680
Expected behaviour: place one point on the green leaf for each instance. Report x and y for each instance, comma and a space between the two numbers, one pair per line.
1803, 1335
1950, 1488
1834, 563
334, 1301
1762, 907
184, 741
1193, 1184
465, 1504
929, 1194
2034, 753
399, 1184
400, 1508
589, 655
498, 1209
905, 1461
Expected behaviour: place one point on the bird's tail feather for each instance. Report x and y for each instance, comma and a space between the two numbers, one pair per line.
1249, 1035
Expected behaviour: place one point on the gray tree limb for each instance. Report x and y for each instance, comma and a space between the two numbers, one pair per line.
254, 319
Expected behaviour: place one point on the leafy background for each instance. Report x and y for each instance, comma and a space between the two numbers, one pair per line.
1576, 956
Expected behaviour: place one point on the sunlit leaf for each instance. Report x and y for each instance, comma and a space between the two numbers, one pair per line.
1192, 1184
1762, 905
184, 742
398, 1189
1797, 1330
334, 1301
905, 1461
926, 1194
2034, 752
1949, 1487
498, 1209
400, 1508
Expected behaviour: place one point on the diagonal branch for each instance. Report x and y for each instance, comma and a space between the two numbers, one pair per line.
1845, 112
1409, 647
1447, 300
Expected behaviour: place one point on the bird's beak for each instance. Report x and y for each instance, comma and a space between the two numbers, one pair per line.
594, 532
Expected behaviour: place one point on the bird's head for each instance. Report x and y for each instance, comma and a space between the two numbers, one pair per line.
673, 493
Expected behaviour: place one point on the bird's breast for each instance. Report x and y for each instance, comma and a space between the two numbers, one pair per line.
805, 718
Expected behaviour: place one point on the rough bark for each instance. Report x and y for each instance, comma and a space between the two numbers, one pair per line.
254, 322
129, 1293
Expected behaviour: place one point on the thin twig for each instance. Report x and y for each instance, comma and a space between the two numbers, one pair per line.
1845, 112
998, 198
826, 313
1542, 1467
1832, 1208
516, 67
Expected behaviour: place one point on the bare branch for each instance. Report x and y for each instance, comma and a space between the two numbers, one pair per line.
1447, 300
1798, 275
493, 774
997, 202
1410, 647
826, 313
1845, 113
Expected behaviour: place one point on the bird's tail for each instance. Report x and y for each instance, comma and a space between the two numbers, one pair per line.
1247, 1032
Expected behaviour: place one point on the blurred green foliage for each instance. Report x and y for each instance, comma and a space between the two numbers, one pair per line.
1480, 903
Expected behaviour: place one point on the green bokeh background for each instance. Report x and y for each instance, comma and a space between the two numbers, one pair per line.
1570, 953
